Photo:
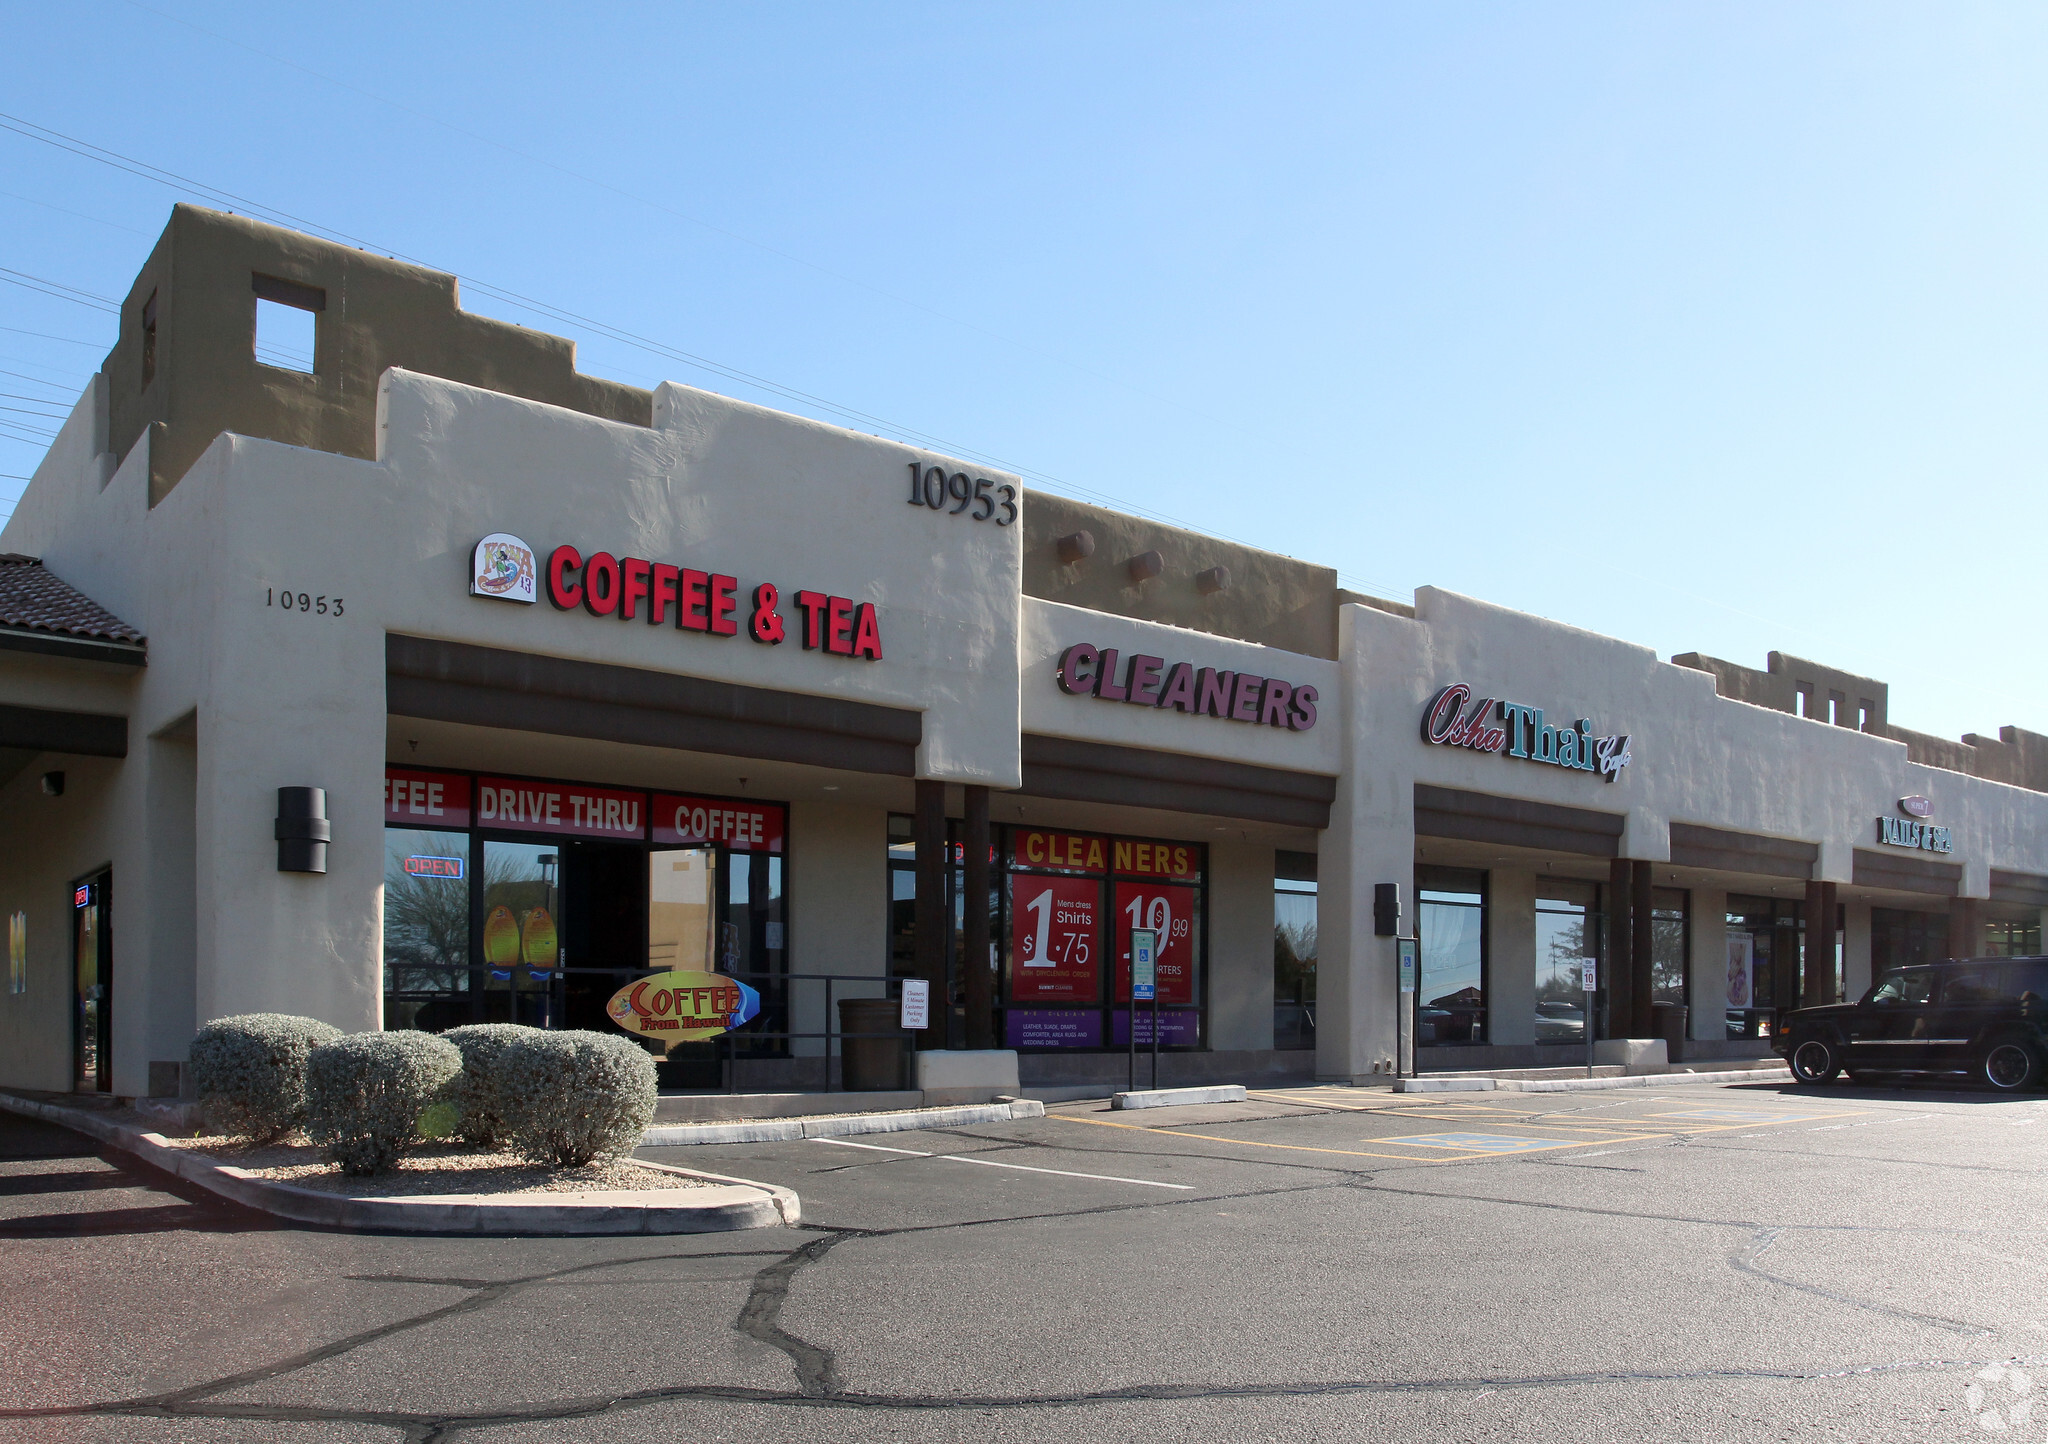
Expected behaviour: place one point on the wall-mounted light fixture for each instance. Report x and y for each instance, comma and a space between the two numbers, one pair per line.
302, 829
1386, 909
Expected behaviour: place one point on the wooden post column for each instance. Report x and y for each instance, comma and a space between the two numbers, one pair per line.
1819, 961
1621, 937
980, 980
1642, 979
928, 913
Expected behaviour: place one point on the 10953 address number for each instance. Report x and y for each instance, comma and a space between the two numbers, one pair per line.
930, 486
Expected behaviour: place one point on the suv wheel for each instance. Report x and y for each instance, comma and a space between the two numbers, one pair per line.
1814, 1060
2009, 1065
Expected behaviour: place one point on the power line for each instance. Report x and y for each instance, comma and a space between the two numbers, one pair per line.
55, 290
46, 336
86, 150
34, 380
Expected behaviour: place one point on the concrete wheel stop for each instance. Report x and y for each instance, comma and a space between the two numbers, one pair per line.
1177, 1097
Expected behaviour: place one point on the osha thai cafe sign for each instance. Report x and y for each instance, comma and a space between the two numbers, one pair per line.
1513, 729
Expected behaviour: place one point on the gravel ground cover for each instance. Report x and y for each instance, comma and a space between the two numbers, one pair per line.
455, 1168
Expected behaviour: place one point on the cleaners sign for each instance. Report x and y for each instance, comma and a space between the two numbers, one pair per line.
1513, 730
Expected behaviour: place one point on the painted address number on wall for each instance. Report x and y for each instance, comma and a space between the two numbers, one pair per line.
931, 487
291, 601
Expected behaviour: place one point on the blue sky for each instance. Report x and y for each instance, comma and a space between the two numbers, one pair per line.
1713, 327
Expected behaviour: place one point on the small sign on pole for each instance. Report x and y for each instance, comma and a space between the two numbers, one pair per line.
1407, 949
1589, 981
1144, 977
917, 1003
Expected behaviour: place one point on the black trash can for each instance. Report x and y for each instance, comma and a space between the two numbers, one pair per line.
872, 1064
1668, 1023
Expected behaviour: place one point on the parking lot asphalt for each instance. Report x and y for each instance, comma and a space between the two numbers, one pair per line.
1741, 1262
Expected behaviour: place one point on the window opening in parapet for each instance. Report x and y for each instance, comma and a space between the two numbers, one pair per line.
284, 336
285, 325
149, 340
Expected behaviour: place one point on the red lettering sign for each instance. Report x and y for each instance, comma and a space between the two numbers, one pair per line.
1179, 860
1055, 939
741, 826
562, 808
425, 799
612, 586
1169, 912
1063, 851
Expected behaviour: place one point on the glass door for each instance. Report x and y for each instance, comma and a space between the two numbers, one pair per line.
92, 962
683, 932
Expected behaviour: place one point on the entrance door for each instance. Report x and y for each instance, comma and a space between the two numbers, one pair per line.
686, 934
92, 967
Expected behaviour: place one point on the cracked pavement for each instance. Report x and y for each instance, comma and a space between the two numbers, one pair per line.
1744, 1262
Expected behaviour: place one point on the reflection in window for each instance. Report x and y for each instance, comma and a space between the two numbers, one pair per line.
1568, 926
1294, 950
1670, 943
1910, 989
426, 929
522, 949
1450, 998
2013, 937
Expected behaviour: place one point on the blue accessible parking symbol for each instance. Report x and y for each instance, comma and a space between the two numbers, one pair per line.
1479, 1142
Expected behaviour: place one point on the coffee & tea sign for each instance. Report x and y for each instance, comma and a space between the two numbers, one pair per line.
683, 1007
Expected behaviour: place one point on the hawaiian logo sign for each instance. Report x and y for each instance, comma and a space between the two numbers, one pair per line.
684, 1006
503, 568
1511, 729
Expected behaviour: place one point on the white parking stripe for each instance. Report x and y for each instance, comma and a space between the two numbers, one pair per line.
1020, 1167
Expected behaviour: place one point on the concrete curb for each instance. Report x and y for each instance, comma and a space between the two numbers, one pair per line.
1587, 1085
1173, 1097
1641, 1080
782, 1130
739, 1203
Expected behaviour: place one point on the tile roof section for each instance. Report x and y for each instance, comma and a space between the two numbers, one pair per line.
34, 599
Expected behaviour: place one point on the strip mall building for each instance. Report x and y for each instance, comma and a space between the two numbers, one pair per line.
592, 681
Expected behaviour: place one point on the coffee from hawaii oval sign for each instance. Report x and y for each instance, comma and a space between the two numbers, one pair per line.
683, 1007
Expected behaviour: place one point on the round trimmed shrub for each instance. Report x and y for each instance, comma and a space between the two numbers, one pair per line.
576, 1097
365, 1094
484, 1113
250, 1072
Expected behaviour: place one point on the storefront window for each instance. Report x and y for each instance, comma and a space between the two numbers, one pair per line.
2013, 937
1450, 998
1901, 939
1670, 944
522, 946
1762, 933
1568, 930
426, 929
1294, 950
541, 901
1069, 904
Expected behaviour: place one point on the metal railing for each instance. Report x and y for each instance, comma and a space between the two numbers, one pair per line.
832, 1034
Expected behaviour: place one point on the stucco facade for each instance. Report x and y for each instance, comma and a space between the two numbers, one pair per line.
976, 706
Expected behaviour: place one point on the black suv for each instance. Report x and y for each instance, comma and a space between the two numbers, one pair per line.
1987, 1017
